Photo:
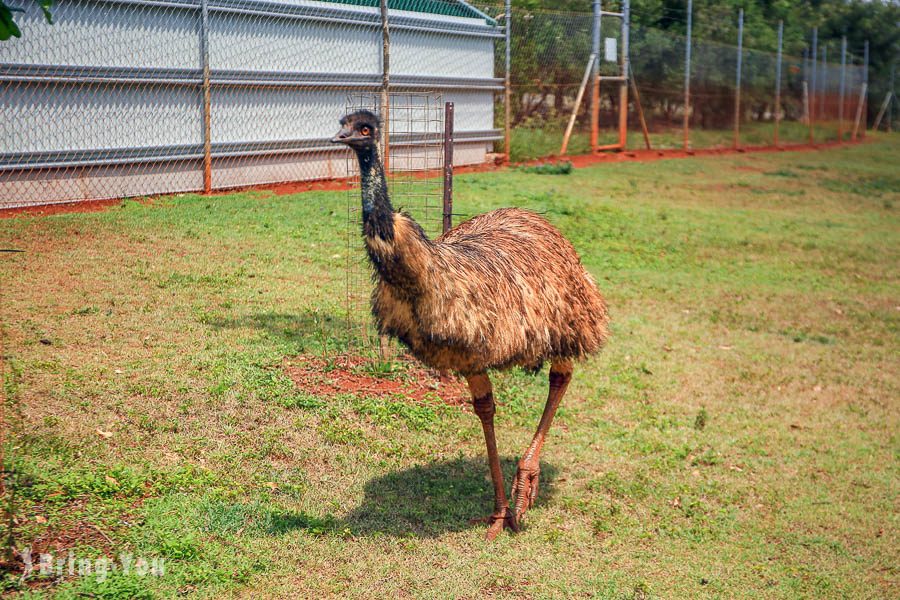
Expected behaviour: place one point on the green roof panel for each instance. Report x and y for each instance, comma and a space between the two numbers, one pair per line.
451, 8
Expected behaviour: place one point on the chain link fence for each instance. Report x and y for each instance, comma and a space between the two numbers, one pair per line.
549, 51
123, 98
138, 97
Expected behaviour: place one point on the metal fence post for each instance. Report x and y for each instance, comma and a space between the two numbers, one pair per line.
778, 81
807, 68
595, 77
890, 124
687, 75
863, 90
207, 97
814, 62
805, 79
507, 85
823, 86
843, 88
448, 167
865, 121
626, 65
737, 91
806, 109
385, 86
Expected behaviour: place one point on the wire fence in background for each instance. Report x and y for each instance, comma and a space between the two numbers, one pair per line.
550, 49
136, 98
120, 99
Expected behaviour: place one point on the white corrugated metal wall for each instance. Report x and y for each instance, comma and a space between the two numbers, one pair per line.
108, 101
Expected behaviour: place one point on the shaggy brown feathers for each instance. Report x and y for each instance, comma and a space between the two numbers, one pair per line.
504, 288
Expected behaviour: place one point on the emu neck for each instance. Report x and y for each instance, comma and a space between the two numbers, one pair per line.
378, 214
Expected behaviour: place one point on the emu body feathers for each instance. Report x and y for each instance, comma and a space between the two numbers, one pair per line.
504, 288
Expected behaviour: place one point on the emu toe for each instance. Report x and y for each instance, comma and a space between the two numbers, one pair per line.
525, 487
500, 520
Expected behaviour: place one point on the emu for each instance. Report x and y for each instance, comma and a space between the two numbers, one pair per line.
502, 289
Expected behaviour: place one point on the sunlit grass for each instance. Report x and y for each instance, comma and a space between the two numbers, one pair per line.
737, 438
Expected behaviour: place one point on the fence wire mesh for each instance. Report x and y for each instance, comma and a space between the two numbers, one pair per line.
146, 97
121, 99
415, 168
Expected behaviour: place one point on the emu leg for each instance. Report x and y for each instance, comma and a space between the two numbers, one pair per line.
483, 402
525, 485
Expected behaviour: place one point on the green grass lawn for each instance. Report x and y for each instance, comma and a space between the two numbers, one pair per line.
737, 438
530, 143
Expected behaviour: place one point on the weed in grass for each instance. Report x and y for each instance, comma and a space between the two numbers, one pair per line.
383, 367
611, 483
556, 168
338, 430
783, 173
389, 413
700, 419
301, 401
108, 586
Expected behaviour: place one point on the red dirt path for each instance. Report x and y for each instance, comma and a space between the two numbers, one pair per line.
347, 375
578, 161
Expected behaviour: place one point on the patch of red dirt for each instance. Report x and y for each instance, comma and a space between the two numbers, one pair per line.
297, 187
78, 206
347, 374
584, 160
56, 540
45, 210
578, 161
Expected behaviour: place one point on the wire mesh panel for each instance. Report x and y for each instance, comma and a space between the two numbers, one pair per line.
78, 114
549, 53
415, 184
657, 66
793, 129
120, 99
549, 49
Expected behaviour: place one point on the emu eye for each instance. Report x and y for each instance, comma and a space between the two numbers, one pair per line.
365, 130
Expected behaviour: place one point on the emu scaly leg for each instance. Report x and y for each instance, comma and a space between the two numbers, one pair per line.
483, 403
525, 485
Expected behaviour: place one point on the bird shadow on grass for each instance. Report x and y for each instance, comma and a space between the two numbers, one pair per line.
310, 329
420, 501
423, 501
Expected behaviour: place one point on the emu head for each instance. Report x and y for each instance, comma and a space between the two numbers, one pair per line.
359, 130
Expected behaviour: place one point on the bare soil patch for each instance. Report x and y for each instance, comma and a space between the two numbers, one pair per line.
349, 374
57, 540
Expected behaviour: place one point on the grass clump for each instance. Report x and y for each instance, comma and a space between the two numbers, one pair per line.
555, 168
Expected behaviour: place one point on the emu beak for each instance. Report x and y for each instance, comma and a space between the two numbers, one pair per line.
343, 136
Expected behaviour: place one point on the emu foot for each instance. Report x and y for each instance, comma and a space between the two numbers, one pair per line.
501, 519
525, 487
